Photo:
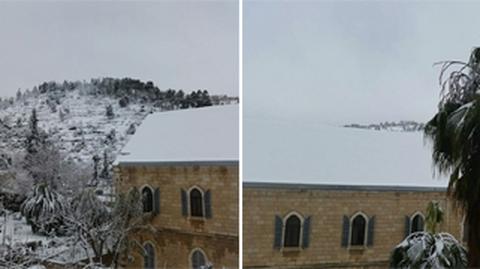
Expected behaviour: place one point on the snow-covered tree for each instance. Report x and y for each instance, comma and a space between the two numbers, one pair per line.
131, 129
44, 165
127, 221
429, 251
19, 95
34, 138
109, 112
454, 133
101, 230
89, 223
105, 174
111, 137
43, 209
96, 161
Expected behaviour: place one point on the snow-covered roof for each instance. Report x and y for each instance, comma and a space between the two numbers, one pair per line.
208, 134
301, 153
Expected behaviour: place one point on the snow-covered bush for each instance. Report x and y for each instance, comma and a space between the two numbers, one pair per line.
109, 112
429, 251
16, 257
44, 209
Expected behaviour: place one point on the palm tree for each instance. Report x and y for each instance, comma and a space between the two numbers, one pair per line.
429, 251
434, 216
455, 135
43, 210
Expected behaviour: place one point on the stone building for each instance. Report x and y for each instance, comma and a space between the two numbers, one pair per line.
185, 164
317, 196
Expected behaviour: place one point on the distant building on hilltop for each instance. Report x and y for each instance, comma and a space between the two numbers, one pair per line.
317, 196
185, 164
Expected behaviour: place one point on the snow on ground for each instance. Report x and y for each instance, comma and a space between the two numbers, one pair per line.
201, 134
15, 231
296, 152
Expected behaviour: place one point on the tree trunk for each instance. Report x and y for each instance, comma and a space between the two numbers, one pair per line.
473, 240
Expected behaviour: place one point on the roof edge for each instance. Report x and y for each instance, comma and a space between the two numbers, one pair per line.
327, 187
175, 163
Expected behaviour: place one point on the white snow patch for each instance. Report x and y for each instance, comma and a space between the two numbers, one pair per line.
191, 135
294, 152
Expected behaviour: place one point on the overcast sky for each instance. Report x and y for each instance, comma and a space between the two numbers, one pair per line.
349, 62
181, 45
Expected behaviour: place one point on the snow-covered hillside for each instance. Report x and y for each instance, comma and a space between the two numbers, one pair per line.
401, 126
83, 132
74, 114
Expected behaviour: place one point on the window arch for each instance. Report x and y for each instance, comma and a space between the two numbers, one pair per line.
196, 202
147, 199
358, 234
149, 256
292, 230
417, 223
198, 259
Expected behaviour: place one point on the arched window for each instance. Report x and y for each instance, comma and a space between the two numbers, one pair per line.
149, 256
198, 259
418, 223
196, 203
359, 225
292, 231
147, 198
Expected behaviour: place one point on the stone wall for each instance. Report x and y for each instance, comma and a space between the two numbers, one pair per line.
326, 207
177, 234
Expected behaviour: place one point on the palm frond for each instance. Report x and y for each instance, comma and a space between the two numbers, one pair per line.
427, 250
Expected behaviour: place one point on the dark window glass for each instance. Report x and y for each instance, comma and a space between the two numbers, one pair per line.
196, 203
149, 258
292, 232
417, 224
198, 260
147, 197
358, 231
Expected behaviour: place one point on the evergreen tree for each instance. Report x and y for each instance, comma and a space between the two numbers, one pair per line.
33, 139
131, 130
123, 102
111, 137
105, 174
109, 112
205, 99
96, 159
19, 95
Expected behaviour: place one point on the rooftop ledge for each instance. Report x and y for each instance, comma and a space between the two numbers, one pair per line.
301, 186
177, 163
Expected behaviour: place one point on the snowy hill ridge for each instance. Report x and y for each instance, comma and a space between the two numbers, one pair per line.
401, 126
85, 119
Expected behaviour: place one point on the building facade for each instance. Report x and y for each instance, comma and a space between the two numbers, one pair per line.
189, 186
333, 226
194, 208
